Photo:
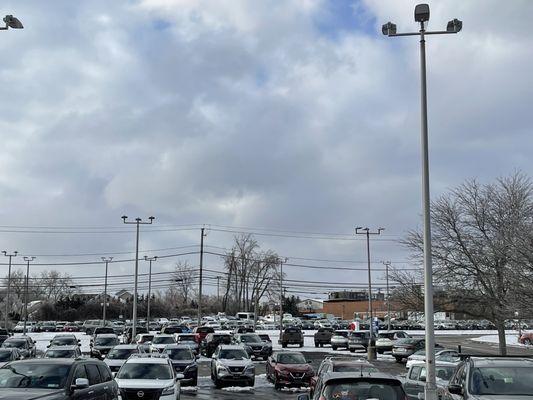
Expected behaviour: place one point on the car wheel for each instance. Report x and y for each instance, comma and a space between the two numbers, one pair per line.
380, 351
398, 359
316, 344
277, 385
352, 350
195, 381
284, 345
527, 342
218, 384
301, 345
251, 383
334, 348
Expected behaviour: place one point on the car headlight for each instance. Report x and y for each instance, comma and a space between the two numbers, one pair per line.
222, 370
169, 390
283, 372
250, 370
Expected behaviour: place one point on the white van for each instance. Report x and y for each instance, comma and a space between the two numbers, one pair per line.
245, 316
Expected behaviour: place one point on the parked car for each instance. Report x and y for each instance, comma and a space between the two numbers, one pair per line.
62, 352
347, 385
264, 337
288, 368
7, 355
99, 330
189, 339
64, 339
292, 335
159, 342
128, 332
358, 340
201, 332
480, 378
143, 338
403, 348
341, 364
386, 340
440, 353
45, 326
24, 344
230, 364
71, 328
212, 341
323, 336
172, 329
526, 338
415, 379
153, 375
102, 343
254, 346
339, 339
118, 355
57, 379
184, 362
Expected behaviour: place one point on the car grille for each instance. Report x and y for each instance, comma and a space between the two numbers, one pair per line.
297, 375
138, 394
257, 348
237, 370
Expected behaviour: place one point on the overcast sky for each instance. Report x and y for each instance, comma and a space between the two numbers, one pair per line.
294, 115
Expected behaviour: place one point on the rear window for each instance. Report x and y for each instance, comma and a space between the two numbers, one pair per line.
292, 330
205, 329
360, 389
386, 335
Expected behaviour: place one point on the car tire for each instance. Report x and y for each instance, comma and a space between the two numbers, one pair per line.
352, 350
284, 345
316, 344
398, 359
527, 342
277, 385
334, 348
380, 351
218, 384
301, 345
251, 382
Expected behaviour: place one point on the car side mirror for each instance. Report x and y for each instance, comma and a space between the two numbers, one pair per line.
455, 389
304, 397
81, 383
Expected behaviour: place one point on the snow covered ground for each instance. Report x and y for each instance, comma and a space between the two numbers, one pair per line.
512, 340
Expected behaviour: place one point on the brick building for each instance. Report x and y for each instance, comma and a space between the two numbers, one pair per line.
349, 305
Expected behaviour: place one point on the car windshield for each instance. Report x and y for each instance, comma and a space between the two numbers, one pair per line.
250, 339
358, 335
144, 371
444, 372
163, 340
19, 344
106, 341
5, 355
146, 338
64, 341
386, 335
34, 375
361, 390
294, 358
407, 341
179, 354
59, 354
354, 368
187, 338
341, 333
233, 354
509, 381
121, 354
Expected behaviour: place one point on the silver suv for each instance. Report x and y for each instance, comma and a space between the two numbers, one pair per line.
231, 364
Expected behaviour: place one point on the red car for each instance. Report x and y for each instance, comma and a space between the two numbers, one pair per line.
200, 332
288, 368
526, 338
71, 328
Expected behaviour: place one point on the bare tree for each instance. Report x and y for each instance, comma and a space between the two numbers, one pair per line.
184, 280
476, 229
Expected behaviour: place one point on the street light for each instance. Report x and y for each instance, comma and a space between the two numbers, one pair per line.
389, 29
27, 259
11, 22
371, 350
149, 259
137, 222
107, 260
14, 254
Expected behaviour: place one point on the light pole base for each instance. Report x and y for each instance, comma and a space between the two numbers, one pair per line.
371, 352
430, 393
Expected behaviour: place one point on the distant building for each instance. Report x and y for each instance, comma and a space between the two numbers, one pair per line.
310, 306
349, 305
124, 296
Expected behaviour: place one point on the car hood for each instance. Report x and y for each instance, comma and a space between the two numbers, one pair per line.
235, 363
144, 383
27, 394
114, 362
293, 367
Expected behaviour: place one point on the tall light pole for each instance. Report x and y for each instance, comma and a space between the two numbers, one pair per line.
14, 254
389, 29
371, 340
137, 222
218, 288
200, 281
11, 22
107, 260
27, 259
387, 265
149, 259
281, 297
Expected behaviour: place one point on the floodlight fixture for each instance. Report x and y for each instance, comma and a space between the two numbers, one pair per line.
454, 26
422, 12
12, 22
388, 29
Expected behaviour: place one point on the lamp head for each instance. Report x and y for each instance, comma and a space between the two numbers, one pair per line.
422, 13
4, 252
388, 29
13, 22
124, 217
151, 218
454, 26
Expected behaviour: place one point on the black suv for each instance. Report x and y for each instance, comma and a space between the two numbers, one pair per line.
292, 335
184, 362
254, 345
211, 342
57, 379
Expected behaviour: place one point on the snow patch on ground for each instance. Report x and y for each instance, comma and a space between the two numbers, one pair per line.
512, 340
189, 389
239, 389
295, 389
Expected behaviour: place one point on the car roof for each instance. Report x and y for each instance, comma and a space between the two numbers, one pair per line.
69, 335
148, 360
502, 362
437, 364
106, 335
59, 361
230, 347
164, 335
177, 346
331, 376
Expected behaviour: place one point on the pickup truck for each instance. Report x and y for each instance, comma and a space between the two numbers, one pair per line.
292, 335
323, 336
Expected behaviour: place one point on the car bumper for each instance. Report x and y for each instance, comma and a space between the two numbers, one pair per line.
236, 378
290, 381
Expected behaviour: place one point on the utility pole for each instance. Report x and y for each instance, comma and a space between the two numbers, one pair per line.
281, 297
149, 259
137, 222
14, 254
202, 235
218, 288
107, 260
27, 259
387, 265
389, 29
371, 340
